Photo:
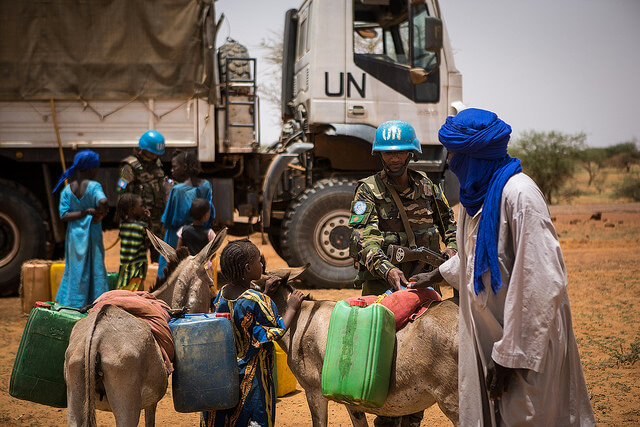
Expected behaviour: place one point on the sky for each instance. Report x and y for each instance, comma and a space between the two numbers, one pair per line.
565, 65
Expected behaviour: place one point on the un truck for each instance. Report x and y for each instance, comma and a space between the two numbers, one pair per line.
96, 75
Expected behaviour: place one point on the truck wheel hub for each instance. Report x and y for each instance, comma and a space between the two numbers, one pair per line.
332, 236
9, 239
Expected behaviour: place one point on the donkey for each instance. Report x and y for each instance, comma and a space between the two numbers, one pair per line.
113, 362
424, 372
188, 285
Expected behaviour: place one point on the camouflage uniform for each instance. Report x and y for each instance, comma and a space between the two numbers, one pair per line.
380, 225
145, 178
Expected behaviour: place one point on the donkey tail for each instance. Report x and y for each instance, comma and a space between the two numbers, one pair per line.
90, 361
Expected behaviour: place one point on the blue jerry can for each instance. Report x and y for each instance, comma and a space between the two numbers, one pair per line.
206, 369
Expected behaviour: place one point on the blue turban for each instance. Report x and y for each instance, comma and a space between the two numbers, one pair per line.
84, 160
479, 139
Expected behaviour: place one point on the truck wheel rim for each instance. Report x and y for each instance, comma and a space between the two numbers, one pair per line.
9, 239
332, 234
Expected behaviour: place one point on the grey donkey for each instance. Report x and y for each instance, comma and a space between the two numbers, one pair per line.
113, 363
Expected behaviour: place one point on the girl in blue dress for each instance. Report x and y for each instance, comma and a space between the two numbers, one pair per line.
256, 324
185, 168
82, 206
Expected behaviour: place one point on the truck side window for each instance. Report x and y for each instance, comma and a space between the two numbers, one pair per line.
389, 40
302, 39
304, 32
421, 57
428, 91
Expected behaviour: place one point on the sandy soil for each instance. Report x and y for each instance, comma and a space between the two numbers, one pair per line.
603, 264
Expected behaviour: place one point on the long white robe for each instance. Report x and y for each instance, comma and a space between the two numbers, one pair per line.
526, 326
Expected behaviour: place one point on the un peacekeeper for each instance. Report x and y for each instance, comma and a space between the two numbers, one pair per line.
377, 223
142, 174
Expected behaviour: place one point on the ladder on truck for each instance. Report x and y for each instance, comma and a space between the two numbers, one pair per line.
241, 108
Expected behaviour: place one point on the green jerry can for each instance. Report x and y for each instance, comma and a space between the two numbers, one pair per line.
112, 280
38, 371
359, 354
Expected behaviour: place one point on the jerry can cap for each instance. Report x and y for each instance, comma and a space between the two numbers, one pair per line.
225, 315
359, 302
41, 304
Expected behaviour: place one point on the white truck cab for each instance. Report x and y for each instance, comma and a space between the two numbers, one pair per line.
348, 66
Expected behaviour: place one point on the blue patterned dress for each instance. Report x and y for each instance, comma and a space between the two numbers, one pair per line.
256, 324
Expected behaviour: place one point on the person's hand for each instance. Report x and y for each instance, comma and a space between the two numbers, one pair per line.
270, 284
450, 252
295, 300
424, 280
89, 211
498, 378
396, 279
167, 184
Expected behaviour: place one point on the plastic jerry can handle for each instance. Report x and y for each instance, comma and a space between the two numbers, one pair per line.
359, 302
41, 304
225, 315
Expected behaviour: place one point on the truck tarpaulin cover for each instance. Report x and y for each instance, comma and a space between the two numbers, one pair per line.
101, 49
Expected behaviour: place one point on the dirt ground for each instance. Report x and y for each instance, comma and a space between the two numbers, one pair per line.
603, 263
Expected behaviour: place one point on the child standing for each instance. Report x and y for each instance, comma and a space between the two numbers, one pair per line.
256, 325
133, 242
196, 235
185, 168
82, 206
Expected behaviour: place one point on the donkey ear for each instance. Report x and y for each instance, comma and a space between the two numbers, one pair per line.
161, 246
212, 247
293, 272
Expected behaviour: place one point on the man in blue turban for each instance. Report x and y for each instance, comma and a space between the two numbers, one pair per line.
518, 357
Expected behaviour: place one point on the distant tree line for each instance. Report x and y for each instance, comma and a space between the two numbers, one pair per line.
552, 158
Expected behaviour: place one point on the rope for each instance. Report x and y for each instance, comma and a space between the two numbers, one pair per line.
55, 127
112, 245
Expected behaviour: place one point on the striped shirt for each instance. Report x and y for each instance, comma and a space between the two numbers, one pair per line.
133, 254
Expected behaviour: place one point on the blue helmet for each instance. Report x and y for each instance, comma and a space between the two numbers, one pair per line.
396, 135
152, 141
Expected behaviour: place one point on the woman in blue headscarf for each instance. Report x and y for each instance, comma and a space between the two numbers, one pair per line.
515, 327
82, 206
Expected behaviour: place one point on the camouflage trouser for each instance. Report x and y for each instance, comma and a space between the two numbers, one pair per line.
412, 420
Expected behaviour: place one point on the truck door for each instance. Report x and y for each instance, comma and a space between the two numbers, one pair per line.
388, 42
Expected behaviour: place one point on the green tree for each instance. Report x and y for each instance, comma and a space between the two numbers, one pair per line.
623, 155
629, 188
592, 160
549, 158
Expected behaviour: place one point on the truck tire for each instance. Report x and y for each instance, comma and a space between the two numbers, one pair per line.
23, 234
237, 69
316, 230
274, 236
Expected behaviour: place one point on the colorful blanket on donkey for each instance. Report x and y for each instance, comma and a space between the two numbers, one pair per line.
406, 304
147, 307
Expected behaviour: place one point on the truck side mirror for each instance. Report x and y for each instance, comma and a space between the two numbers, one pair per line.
433, 34
418, 75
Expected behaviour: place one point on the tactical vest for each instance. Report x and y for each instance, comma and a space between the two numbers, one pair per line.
148, 183
421, 210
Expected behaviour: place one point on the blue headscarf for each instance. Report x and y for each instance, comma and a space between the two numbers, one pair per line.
84, 160
483, 167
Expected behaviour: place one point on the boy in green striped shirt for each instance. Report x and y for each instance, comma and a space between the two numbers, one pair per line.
133, 242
